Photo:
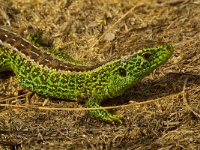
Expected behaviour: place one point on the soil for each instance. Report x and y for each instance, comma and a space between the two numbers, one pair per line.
160, 112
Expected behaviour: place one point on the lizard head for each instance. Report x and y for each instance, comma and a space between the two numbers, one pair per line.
126, 72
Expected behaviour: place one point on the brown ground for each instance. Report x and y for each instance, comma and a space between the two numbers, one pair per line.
161, 112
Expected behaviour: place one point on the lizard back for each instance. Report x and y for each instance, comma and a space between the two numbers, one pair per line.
34, 54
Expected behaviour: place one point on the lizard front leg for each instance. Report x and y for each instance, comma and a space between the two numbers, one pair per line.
94, 102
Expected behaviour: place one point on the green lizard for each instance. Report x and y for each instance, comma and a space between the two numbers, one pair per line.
50, 75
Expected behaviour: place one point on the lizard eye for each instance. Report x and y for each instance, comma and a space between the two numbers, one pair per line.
147, 56
122, 72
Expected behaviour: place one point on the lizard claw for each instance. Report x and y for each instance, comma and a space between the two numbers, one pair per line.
113, 118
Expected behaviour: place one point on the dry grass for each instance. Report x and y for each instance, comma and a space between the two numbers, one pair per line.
161, 112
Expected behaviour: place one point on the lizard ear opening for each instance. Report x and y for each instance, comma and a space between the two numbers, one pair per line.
122, 72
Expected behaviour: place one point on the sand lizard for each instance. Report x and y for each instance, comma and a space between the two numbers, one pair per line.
46, 74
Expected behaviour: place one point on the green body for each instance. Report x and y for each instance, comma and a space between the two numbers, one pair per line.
92, 85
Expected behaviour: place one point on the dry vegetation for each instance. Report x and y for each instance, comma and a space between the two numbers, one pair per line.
161, 112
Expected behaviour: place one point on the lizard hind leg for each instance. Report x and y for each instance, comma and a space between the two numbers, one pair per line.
101, 113
37, 38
